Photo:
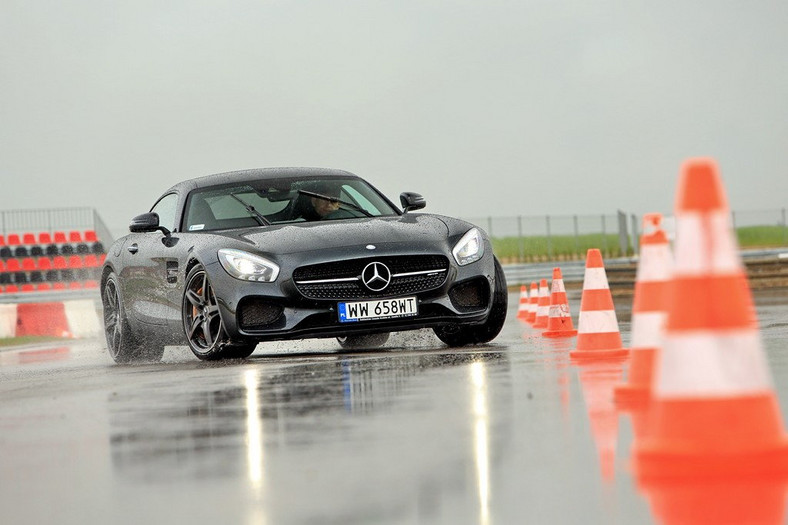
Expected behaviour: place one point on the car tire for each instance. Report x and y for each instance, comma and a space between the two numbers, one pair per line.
238, 351
367, 341
458, 335
123, 345
202, 321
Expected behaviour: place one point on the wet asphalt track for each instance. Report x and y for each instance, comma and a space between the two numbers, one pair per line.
300, 433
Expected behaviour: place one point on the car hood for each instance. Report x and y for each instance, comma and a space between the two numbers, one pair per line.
413, 229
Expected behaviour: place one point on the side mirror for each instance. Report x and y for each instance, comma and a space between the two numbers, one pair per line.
147, 222
411, 201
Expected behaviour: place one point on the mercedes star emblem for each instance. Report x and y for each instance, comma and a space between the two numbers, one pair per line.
376, 276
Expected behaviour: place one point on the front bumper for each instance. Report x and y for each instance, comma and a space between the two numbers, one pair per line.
302, 318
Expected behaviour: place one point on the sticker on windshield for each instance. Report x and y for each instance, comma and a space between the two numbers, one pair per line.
194, 227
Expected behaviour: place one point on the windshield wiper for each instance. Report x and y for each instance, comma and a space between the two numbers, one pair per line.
262, 221
340, 201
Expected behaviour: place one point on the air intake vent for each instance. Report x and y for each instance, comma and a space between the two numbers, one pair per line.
470, 295
257, 314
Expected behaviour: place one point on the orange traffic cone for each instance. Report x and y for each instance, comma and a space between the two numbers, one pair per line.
713, 411
649, 311
543, 308
533, 302
714, 502
598, 335
559, 322
522, 307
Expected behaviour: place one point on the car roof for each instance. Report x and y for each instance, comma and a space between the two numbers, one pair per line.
232, 177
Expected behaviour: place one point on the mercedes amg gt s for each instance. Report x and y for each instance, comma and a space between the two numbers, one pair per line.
229, 260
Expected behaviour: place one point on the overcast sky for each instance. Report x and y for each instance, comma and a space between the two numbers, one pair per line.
486, 108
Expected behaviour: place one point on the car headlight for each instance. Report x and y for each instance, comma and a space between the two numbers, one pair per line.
470, 248
248, 267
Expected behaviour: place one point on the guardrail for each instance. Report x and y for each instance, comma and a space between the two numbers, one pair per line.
50, 296
550, 237
573, 271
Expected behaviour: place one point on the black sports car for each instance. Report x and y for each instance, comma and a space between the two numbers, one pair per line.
225, 261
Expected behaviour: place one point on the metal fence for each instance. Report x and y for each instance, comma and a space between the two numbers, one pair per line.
551, 237
54, 219
568, 237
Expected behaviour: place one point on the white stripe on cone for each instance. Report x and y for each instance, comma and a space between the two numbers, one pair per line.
694, 257
543, 311
710, 363
597, 322
523, 305
559, 310
648, 329
595, 279
533, 307
655, 264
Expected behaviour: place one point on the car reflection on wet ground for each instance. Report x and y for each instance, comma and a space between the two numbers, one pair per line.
511, 432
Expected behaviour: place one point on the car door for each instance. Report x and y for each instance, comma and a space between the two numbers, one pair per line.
154, 258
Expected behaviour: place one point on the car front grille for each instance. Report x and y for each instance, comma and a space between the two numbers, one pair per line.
342, 280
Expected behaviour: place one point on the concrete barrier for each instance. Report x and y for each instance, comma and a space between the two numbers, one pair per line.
82, 318
77, 318
7, 320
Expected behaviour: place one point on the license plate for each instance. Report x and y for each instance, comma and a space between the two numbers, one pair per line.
383, 309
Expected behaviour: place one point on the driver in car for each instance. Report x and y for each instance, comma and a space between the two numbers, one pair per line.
327, 206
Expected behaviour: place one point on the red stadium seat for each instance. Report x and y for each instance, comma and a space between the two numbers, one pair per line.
12, 265
28, 264
102, 258
2, 240
59, 263
44, 238
2, 267
74, 285
91, 284
43, 287
74, 236
44, 263
75, 261
90, 236
58, 286
60, 238
13, 239
91, 261
12, 288
28, 288
28, 238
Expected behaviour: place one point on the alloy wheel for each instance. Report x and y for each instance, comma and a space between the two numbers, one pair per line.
203, 323
112, 322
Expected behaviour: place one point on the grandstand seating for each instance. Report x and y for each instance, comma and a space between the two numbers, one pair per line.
44, 261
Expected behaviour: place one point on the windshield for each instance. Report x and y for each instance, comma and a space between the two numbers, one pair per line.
280, 201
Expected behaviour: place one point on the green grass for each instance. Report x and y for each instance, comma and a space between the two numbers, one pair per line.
561, 247
569, 247
762, 236
28, 339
